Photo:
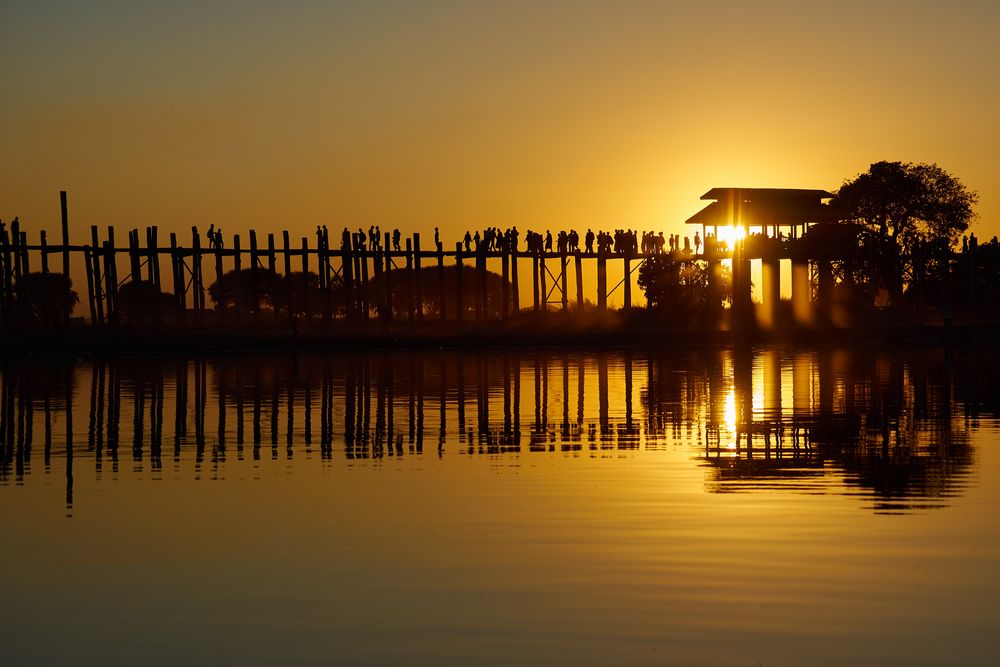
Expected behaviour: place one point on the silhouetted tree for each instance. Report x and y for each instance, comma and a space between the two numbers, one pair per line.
258, 290
908, 209
142, 302
402, 287
681, 288
46, 297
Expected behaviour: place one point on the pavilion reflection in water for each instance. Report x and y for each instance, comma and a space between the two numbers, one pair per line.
895, 426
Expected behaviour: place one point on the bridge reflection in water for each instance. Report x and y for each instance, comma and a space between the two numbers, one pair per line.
893, 427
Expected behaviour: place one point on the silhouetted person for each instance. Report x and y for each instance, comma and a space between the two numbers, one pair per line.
437, 239
548, 241
468, 241
395, 239
697, 243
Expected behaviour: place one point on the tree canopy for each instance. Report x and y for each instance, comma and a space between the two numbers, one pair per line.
908, 209
681, 288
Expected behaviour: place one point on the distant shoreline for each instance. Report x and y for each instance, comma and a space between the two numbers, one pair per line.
84, 341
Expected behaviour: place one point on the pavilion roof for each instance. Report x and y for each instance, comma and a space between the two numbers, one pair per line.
783, 207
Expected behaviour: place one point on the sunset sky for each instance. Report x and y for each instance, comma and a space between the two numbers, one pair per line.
466, 114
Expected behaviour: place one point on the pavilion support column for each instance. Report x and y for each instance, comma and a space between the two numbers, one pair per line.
771, 288
801, 297
742, 302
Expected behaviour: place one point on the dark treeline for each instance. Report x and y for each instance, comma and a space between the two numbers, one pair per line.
893, 428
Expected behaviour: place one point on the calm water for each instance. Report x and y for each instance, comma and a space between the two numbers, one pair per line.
771, 506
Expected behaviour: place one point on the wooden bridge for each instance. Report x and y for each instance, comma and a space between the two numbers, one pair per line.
366, 278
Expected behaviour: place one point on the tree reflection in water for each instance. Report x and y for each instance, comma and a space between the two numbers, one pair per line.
893, 426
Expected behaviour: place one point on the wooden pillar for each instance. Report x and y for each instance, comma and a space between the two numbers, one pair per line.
770, 288
418, 278
379, 279
111, 277
564, 263
272, 268
627, 279
440, 272
154, 256
365, 296
459, 306
306, 309
88, 265
515, 287
801, 290
410, 315
505, 275
543, 285
534, 282
602, 279
387, 279
254, 281
578, 267
480, 283
197, 282
177, 264
95, 258
65, 235
133, 255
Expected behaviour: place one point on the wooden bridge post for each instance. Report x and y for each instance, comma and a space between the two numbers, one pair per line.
111, 278
133, 256
410, 315
578, 269
387, 280
237, 276
418, 278
95, 260
515, 288
306, 310
23, 246
64, 209
627, 279
254, 278
544, 282
505, 275
197, 281
770, 288
564, 263
6, 280
602, 279
379, 281
534, 281
88, 265
440, 272
459, 307
801, 292
273, 270
365, 296
177, 266
286, 254
479, 285
154, 255
44, 251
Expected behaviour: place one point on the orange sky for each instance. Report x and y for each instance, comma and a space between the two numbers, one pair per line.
472, 114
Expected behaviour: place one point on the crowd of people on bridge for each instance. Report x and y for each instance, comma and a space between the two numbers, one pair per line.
493, 239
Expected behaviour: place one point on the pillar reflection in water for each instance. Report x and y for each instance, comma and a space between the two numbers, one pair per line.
871, 419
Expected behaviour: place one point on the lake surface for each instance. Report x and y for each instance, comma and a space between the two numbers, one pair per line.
767, 506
